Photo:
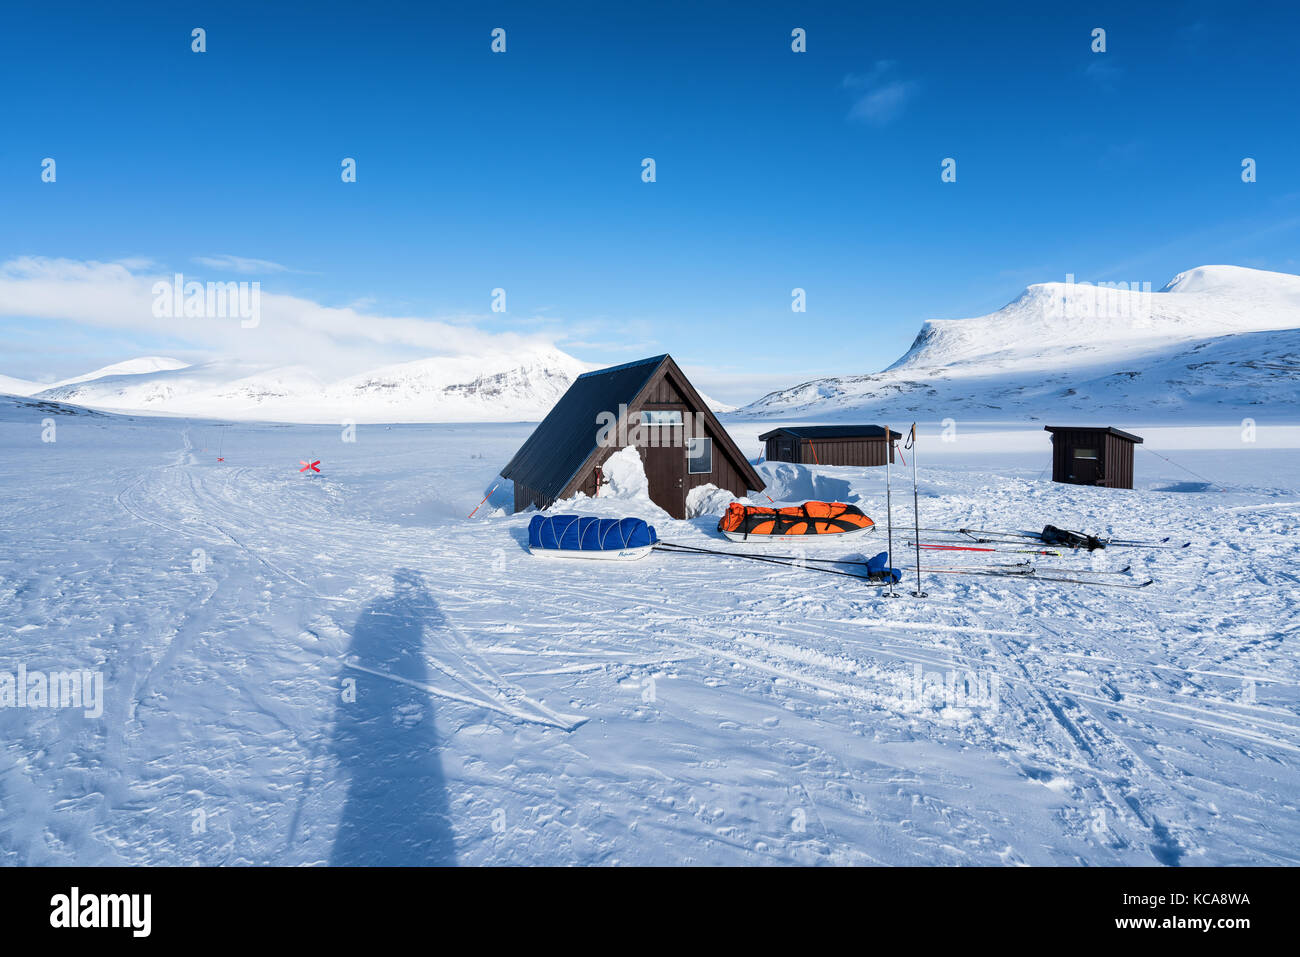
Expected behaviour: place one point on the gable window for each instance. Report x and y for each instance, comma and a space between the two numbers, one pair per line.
661, 417
699, 456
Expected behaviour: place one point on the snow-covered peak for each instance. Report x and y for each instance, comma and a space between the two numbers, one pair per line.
141, 366
1049, 322
1237, 281
11, 386
498, 373
1052, 342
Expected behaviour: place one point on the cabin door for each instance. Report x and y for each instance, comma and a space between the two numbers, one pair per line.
665, 458
1083, 469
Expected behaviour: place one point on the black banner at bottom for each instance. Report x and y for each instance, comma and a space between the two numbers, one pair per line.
264, 906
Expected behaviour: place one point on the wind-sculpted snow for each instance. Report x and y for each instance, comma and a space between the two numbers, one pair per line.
341, 668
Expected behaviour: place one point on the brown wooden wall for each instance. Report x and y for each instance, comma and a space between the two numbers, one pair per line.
849, 451
1119, 462
524, 497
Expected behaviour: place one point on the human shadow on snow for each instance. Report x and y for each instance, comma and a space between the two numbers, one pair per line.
396, 811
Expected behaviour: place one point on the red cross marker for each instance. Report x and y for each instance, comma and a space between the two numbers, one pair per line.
309, 465
220, 459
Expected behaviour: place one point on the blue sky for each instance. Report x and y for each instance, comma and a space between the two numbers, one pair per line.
522, 170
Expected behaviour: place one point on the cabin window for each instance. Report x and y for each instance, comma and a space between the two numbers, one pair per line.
1085, 453
699, 456
661, 417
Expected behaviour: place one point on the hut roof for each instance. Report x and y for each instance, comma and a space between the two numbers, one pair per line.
1094, 428
831, 432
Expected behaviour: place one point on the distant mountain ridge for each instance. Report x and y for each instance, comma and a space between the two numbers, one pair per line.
513, 386
1214, 336
517, 386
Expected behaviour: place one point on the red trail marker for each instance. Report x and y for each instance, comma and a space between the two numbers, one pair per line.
309, 465
485, 498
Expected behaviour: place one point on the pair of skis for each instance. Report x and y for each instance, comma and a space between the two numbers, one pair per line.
984, 536
790, 561
1063, 576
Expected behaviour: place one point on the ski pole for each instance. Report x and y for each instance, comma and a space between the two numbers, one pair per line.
972, 548
916, 515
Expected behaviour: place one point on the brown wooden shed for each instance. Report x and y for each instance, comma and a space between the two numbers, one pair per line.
648, 404
861, 445
1092, 455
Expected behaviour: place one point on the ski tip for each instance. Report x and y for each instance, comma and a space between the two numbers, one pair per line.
1185, 545
1149, 581
1126, 568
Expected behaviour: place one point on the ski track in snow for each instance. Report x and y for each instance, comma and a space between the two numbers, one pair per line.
682, 709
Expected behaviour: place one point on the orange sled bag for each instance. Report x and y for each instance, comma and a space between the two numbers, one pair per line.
742, 523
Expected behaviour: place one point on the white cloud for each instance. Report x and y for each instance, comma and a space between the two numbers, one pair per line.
1103, 71
119, 296
241, 264
881, 96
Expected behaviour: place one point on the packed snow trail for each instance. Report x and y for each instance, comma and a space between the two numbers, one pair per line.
681, 709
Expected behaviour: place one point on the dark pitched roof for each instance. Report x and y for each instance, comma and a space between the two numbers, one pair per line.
565, 439
1093, 428
831, 432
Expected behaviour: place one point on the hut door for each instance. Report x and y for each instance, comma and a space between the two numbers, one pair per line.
1084, 470
665, 460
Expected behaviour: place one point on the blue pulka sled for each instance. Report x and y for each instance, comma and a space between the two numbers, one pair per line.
585, 536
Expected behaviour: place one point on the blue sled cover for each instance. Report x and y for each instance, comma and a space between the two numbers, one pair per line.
586, 533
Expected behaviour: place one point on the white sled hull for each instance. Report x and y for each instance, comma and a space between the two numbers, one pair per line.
602, 554
743, 539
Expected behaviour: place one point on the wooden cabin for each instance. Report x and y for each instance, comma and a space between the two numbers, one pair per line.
648, 404
1092, 455
861, 445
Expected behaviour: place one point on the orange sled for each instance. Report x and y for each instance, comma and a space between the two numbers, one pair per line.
748, 523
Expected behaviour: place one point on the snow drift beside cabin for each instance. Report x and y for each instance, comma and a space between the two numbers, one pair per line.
625, 476
708, 499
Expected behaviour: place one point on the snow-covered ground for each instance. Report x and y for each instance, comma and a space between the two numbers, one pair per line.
682, 709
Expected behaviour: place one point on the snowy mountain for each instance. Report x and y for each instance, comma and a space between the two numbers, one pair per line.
464, 388
11, 386
513, 387
1214, 337
141, 366
508, 387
